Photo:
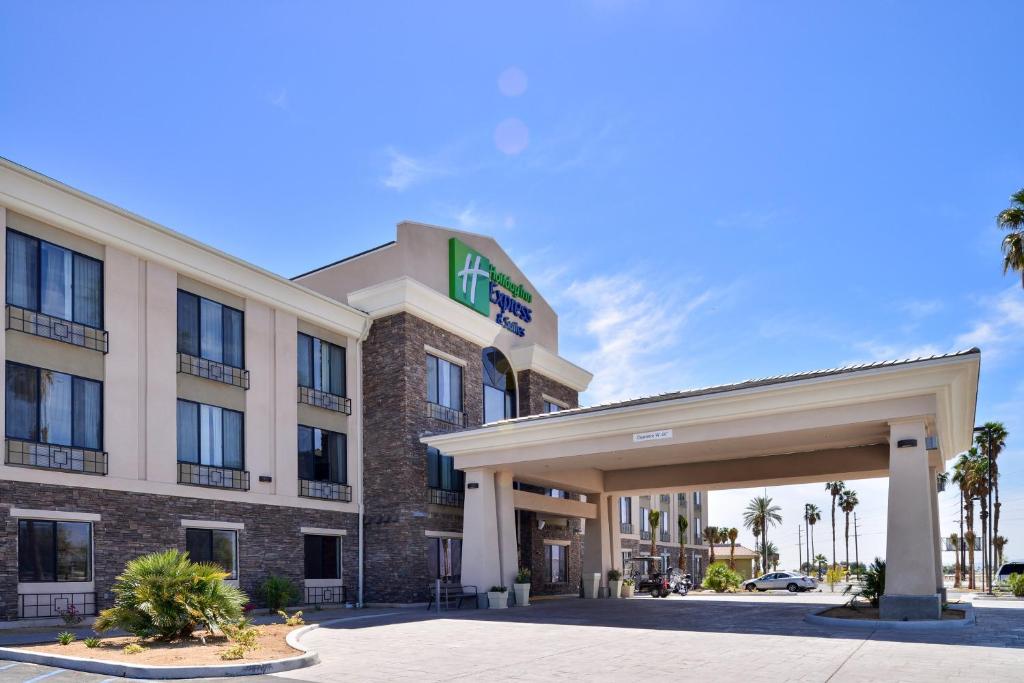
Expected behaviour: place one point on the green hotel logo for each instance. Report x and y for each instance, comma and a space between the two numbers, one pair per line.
469, 276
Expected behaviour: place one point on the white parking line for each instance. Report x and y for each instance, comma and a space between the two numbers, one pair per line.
46, 675
8, 666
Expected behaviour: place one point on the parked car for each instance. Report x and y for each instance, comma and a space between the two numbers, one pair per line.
791, 581
1007, 568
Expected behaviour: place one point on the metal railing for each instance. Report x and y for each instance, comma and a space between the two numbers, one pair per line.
57, 329
326, 595
626, 528
45, 605
665, 536
192, 474
645, 535
211, 369
446, 414
327, 490
455, 499
325, 400
46, 456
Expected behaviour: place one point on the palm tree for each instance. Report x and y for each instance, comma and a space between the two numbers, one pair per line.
848, 501
732, 534
762, 512
771, 552
819, 560
954, 540
711, 538
834, 488
998, 543
970, 538
756, 531
723, 535
966, 505
993, 434
683, 526
811, 517
1012, 219
979, 477
654, 518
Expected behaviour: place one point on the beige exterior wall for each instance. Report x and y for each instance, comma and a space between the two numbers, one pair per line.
693, 534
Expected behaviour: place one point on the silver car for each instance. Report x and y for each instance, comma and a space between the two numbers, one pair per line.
790, 581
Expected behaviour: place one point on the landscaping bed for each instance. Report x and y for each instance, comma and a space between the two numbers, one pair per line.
871, 613
270, 645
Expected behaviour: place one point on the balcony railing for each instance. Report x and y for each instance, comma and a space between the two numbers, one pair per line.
665, 536
454, 499
645, 535
45, 605
446, 414
326, 490
626, 528
46, 456
325, 400
192, 474
326, 595
211, 369
48, 327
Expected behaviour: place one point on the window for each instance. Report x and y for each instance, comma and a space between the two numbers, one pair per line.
53, 280
51, 407
210, 330
219, 546
322, 455
54, 551
554, 564
626, 510
444, 383
321, 365
499, 387
696, 498
441, 472
210, 435
323, 557
557, 493
550, 407
444, 558
645, 521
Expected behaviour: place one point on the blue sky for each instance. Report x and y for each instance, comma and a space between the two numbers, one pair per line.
707, 192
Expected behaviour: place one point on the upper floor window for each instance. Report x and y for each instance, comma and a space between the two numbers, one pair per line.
626, 510
444, 382
441, 472
321, 365
696, 498
551, 407
210, 330
53, 280
54, 551
210, 435
52, 407
322, 455
219, 546
499, 386
557, 493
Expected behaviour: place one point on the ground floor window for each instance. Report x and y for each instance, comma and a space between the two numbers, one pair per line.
555, 564
54, 551
219, 546
444, 558
323, 557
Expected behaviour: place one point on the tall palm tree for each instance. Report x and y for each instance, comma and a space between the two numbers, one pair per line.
834, 488
654, 517
683, 526
756, 531
1012, 219
979, 478
762, 512
970, 538
960, 479
811, 517
998, 543
848, 501
994, 434
954, 540
711, 538
723, 535
732, 534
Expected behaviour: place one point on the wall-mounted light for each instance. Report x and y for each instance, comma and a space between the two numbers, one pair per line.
906, 443
266, 479
540, 524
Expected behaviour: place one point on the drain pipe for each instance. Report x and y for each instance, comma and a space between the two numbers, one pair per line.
359, 459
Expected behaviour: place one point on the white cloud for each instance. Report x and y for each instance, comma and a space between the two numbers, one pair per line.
920, 308
472, 218
279, 98
1000, 328
404, 170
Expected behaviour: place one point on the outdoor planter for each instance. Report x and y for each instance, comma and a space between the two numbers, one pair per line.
591, 585
627, 590
522, 594
614, 588
497, 599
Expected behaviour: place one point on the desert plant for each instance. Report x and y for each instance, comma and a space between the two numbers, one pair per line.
628, 582
277, 592
236, 651
70, 616
92, 642
761, 513
524, 575
721, 579
833, 576
614, 575
166, 595
65, 638
133, 649
1016, 584
242, 634
293, 620
872, 585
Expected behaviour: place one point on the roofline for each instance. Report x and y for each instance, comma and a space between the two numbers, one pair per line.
347, 258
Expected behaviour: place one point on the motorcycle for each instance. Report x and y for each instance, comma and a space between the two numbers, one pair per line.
684, 584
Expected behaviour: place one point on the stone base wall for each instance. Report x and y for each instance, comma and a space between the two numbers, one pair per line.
133, 524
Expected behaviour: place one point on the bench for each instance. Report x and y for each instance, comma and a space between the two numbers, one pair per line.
453, 593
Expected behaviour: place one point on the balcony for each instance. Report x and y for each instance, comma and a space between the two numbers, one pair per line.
645, 535
325, 490
450, 416
665, 536
454, 499
192, 474
325, 595
45, 605
57, 329
46, 456
626, 528
212, 370
322, 399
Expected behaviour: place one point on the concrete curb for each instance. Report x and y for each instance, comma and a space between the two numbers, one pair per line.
876, 625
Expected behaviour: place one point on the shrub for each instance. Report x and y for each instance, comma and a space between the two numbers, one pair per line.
166, 595
873, 584
242, 634
614, 575
133, 649
524, 575
498, 589
293, 620
1016, 583
236, 651
92, 642
833, 576
628, 582
277, 592
71, 616
721, 579
65, 638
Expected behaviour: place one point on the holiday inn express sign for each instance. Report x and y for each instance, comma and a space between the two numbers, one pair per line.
474, 282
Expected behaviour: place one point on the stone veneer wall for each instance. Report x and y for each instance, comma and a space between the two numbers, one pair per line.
532, 546
533, 386
134, 524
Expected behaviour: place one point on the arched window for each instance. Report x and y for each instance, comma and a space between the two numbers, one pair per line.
499, 386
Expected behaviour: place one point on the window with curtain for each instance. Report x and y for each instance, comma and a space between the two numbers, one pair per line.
554, 564
441, 472
322, 556
322, 455
210, 330
499, 386
444, 382
219, 546
54, 551
51, 407
626, 510
321, 365
550, 407
210, 435
444, 558
50, 279
645, 521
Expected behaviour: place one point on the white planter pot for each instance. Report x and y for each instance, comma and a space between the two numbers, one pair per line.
522, 594
591, 585
627, 591
496, 600
614, 588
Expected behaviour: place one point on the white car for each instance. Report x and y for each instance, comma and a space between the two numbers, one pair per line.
1008, 568
790, 581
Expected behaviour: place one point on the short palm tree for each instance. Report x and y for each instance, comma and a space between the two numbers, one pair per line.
654, 518
834, 488
711, 538
819, 561
812, 515
683, 526
1011, 219
732, 534
764, 514
954, 540
848, 501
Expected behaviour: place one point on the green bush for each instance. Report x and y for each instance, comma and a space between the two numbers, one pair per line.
133, 649
1016, 583
524, 575
872, 584
167, 596
92, 642
721, 579
614, 575
278, 592
65, 638
293, 620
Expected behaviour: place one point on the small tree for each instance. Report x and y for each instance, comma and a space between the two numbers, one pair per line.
711, 537
732, 535
654, 518
721, 579
683, 526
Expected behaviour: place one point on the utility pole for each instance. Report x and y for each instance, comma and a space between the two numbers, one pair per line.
856, 547
799, 544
